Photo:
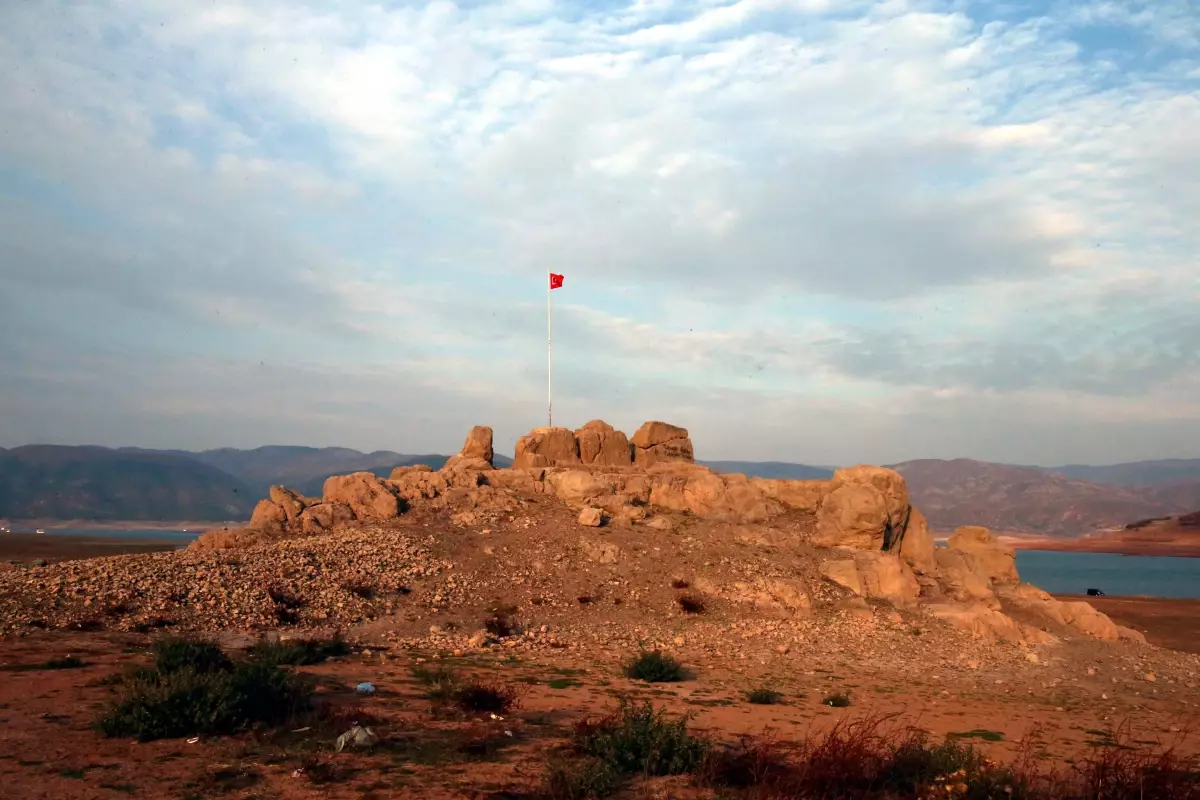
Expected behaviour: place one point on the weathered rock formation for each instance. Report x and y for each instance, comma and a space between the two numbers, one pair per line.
546, 447
476, 453
996, 562
656, 442
866, 508
602, 445
881, 546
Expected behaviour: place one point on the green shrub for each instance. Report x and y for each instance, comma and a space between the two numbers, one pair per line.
212, 696
581, 779
299, 652
655, 667
179, 653
837, 700
639, 739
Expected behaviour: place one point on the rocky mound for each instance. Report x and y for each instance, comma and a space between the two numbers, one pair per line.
583, 514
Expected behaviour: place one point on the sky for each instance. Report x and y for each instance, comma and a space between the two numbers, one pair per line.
812, 231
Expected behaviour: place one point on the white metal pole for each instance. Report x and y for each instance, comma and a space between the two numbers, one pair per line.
549, 354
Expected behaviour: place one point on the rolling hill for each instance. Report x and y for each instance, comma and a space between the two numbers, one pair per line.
1134, 473
53, 482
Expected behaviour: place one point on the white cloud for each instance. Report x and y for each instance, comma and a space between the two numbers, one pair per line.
793, 208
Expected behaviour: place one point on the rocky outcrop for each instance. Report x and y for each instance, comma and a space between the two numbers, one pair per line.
1077, 615
546, 447
993, 561
876, 575
916, 545
867, 508
795, 494
366, 495
690, 487
325, 516
602, 445
960, 580
844, 573
476, 453
658, 442
886, 577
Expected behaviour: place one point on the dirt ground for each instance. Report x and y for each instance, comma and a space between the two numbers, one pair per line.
48, 750
586, 600
1174, 624
26, 547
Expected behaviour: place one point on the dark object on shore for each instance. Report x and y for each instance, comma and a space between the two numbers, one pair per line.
1095, 593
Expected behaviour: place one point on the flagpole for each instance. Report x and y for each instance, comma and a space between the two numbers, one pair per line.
549, 355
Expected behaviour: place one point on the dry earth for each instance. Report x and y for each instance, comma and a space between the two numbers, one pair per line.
777, 611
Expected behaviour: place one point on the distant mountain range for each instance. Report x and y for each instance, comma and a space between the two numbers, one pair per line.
51, 482
1035, 499
129, 483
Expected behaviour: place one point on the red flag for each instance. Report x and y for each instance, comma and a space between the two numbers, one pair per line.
556, 281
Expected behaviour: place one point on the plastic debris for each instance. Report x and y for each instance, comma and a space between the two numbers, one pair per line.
357, 736
302, 730
193, 740
365, 687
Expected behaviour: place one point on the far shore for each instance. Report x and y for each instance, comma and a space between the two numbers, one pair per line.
1122, 545
114, 525
27, 547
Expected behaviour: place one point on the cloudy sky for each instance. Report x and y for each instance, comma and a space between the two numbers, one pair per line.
814, 231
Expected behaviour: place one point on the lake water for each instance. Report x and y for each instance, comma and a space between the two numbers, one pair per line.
1075, 573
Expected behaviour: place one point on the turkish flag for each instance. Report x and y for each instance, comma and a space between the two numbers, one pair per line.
556, 281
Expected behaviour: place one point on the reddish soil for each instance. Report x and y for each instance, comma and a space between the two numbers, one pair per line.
49, 751
25, 547
1165, 622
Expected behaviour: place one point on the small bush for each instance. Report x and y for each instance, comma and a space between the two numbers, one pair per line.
442, 682
679, 583
584, 600
640, 739
836, 699
581, 779
500, 625
478, 697
177, 653
299, 652
654, 667
764, 697
691, 603
209, 696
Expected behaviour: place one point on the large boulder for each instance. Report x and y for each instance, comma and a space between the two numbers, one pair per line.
602, 445
867, 508
961, 581
980, 621
325, 516
916, 545
843, 572
1078, 615
690, 487
476, 453
886, 577
578, 487
267, 516
292, 503
797, 494
998, 563
546, 447
366, 495
658, 442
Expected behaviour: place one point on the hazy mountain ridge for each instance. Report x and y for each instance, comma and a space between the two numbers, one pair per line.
139, 483
1134, 473
1013, 498
57, 482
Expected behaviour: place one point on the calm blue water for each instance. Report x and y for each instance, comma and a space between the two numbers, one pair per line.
1075, 573
100, 533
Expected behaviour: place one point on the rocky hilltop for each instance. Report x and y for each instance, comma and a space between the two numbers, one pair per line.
582, 516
